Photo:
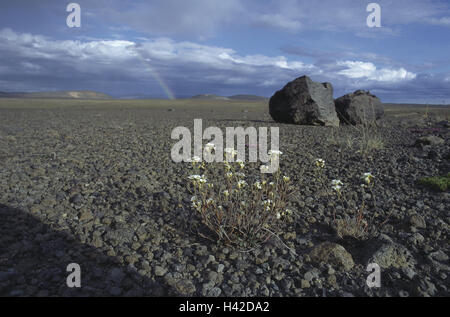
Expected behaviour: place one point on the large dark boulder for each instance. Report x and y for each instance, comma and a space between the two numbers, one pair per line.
304, 102
360, 107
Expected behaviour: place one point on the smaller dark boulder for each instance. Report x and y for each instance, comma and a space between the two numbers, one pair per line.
360, 107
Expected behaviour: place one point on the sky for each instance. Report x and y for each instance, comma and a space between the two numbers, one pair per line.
180, 48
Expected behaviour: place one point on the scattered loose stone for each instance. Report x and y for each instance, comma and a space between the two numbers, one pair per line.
182, 287
332, 253
392, 255
104, 193
160, 271
305, 284
429, 140
418, 221
439, 256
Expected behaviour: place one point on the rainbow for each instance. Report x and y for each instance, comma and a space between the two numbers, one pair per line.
158, 78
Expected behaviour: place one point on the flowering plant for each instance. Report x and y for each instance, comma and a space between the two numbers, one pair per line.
237, 209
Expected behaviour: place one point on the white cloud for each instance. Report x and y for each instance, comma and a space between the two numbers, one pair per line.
180, 63
127, 60
214, 57
36, 46
368, 71
261, 60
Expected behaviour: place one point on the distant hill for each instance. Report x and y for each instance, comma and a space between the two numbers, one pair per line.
421, 105
235, 97
248, 97
85, 94
141, 97
209, 97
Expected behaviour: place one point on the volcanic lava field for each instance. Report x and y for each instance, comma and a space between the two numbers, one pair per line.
93, 183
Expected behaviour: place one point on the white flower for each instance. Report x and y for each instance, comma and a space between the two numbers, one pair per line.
199, 179
267, 208
337, 185
241, 164
368, 177
195, 177
230, 153
275, 153
286, 178
337, 188
196, 159
320, 163
257, 185
210, 201
264, 169
196, 203
226, 193
278, 215
229, 174
241, 184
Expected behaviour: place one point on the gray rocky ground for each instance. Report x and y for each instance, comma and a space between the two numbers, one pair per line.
96, 186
